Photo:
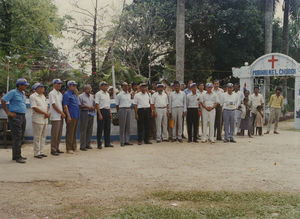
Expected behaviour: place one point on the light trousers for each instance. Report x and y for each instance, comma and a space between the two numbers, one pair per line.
39, 134
177, 116
124, 122
274, 115
237, 118
161, 124
208, 117
228, 118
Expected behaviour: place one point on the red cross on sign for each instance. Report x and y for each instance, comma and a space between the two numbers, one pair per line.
273, 60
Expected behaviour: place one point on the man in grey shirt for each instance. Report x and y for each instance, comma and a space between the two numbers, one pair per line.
87, 113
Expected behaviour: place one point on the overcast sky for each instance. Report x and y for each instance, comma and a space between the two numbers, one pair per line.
113, 7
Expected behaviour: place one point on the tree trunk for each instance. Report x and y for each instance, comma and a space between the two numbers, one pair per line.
93, 51
285, 32
7, 26
269, 4
180, 40
285, 40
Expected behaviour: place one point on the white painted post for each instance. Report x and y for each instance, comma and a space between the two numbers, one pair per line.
297, 102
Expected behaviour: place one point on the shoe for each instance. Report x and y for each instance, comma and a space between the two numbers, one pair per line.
183, 137
266, 133
99, 147
83, 149
55, 153
225, 141
122, 145
276, 132
180, 140
173, 140
89, 147
109, 146
38, 156
158, 141
70, 152
212, 142
203, 141
232, 141
196, 141
24, 158
189, 141
140, 143
219, 139
128, 144
148, 142
60, 152
166, 140
20, 160
44, 155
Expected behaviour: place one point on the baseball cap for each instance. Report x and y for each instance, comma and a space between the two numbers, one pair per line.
71, 83
209, 85
143, 84
159, 85
37, 85
22, 81
102, 83
57, 81
193, 85
229, 85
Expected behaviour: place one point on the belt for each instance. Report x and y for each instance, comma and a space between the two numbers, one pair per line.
104, 109
177, 107
21, 114
143, 108
124, 107
229, 109
161, 107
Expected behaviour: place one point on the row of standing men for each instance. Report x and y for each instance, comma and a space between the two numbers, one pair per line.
213, 103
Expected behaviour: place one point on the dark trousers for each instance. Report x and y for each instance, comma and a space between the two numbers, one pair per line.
86, 129
143, 124
253, 116
56, 133
218, 122
103, 126
71, 133
192, 119
17, 125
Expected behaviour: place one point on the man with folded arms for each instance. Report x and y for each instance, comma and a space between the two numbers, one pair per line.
123, 105
39, 119
56, 116
160, 108
16, 117
102, 100
87, 109
71, 107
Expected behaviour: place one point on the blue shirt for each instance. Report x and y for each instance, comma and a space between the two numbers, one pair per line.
70, 100
17, 101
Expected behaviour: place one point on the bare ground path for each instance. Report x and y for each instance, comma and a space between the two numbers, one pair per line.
267, 163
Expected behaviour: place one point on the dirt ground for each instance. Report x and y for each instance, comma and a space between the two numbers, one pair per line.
41, 187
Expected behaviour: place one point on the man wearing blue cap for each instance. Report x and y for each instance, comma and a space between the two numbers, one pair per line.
160, 108
102, 100
56, 116
209, 101
16, 116
230, 102
71, 107
192, 117
39, 119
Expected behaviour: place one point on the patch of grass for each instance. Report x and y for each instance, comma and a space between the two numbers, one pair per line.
198, 204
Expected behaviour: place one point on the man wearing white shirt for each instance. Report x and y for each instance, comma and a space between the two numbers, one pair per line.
56, 116
256, 99
201, 92
178, 110
40, 117
102, 100
142, 110
218, 121
160, 107
123, 105
192, 117
209, 102
230, 102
